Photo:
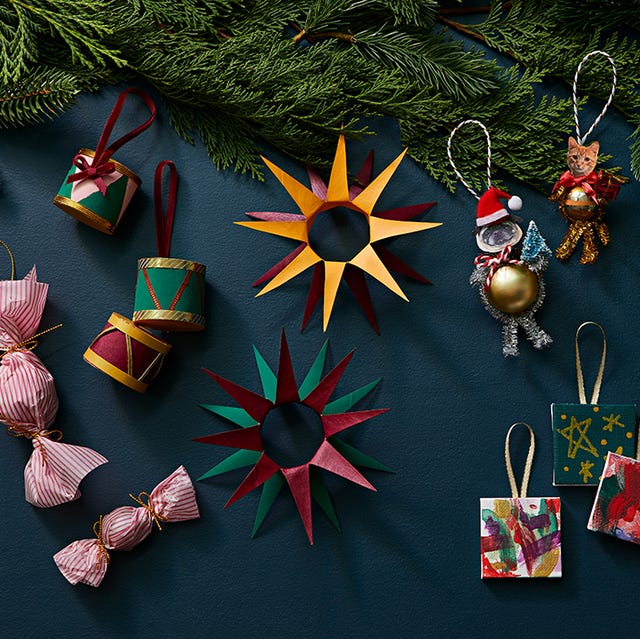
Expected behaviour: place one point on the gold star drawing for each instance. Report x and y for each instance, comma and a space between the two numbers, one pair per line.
583, 442
585, 468
611, 421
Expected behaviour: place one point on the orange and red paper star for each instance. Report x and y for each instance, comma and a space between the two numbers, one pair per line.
333, 454
374, 259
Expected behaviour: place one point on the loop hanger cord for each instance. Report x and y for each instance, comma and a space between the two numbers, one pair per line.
453, 165
13, 263
164, 220
598, 383
574, 96
527, 466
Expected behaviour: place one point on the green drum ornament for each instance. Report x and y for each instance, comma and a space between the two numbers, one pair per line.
170, 294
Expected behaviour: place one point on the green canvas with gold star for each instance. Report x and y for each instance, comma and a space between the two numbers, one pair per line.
583, 434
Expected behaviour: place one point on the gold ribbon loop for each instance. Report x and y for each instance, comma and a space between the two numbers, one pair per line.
13, 263
157, 517
527, 466
27, 344
598, 383
102, 549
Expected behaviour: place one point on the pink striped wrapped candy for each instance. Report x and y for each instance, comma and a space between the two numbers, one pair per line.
85, 561
28, 399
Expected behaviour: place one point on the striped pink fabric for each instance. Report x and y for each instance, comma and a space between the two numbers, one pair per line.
174, 499
28, 399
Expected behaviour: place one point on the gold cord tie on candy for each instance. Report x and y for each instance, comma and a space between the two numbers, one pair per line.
527, 466
102, 549
157, 517
13, 263
27, 344
598, 383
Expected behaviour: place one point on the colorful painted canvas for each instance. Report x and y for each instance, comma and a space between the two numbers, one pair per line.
616, 510
583, 434
520, 537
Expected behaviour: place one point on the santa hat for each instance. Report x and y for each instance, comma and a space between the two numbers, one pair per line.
491, 210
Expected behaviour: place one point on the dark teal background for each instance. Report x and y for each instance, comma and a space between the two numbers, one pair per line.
407, 563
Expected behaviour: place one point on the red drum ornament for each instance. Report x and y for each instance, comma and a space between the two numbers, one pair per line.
169, 292
97, 189
128, 353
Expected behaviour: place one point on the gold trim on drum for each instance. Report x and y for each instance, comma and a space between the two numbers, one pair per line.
121, 168
113, 371
139, 334
84, 215
170, 262
163, 319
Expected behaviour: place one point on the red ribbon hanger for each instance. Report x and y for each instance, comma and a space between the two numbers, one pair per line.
164, 219
100, 165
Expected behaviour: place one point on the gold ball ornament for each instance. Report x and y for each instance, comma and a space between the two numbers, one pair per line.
578, 205
513, 289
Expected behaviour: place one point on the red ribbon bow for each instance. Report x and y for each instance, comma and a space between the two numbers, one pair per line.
587, 182
89, 172
494, 262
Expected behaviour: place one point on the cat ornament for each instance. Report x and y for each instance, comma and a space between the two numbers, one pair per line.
507, 274
582, 193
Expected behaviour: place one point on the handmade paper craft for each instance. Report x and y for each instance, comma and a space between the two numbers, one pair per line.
127, 353
97, 189
584, 433
520, 536
304, 480
374, 259
85, 561
616, 509
582, 191
509, 278
28, 398
169, 291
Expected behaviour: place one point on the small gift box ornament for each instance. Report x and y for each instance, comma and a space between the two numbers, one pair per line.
616, 509
520, 536
584, 433
169, 292
128, 353
582, 192
97, 189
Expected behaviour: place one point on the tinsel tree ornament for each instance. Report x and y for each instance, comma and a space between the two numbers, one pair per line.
508, 276
582, 192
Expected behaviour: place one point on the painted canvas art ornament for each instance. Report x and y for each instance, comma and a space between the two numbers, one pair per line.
331, 199
326, 452
28, 398
169, 291
97, 189
583, 191
509, 276
584, 433
85, 561
520, 535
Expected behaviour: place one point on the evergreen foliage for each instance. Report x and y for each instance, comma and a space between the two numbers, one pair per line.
241, 73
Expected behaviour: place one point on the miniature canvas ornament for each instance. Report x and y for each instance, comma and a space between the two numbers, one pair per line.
616, 509
582, 192
333, 199
507, 275
85, 561
28, 398
327, 452
169, 291
128, 353
584, 433
520, 535
97, 189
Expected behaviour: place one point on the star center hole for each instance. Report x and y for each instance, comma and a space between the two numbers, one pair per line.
339, 234
291, 434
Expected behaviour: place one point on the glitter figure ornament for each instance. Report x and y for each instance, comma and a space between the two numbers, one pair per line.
508, 276
582, 192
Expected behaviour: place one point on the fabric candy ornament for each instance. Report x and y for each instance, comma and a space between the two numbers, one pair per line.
86, 560
169, 291
616, 509
520, 536
584, 433
582, 191
28, 399
509, 277
97, 189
